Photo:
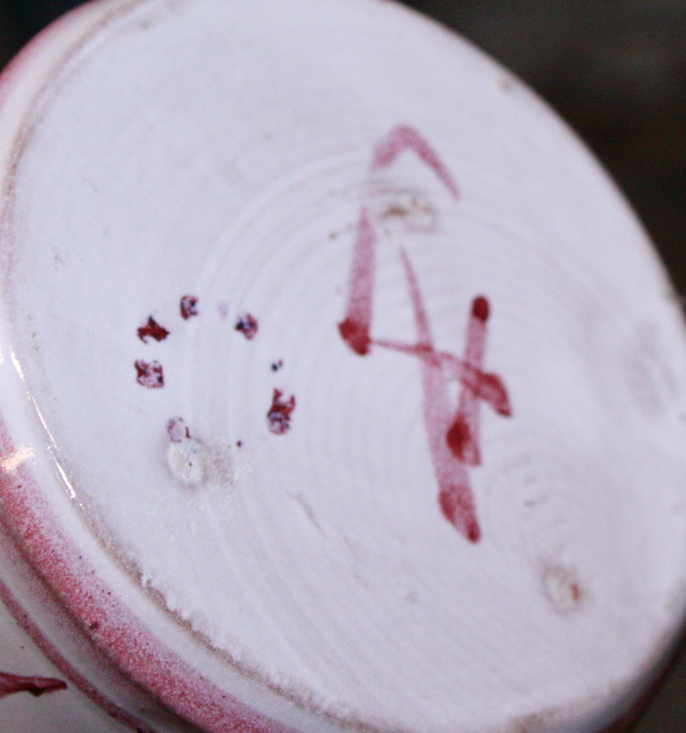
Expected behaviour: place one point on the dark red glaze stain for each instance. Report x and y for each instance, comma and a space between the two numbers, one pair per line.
279, 415
277, 365
405, 138
463, 434
356, 325
177, 429
455, 496
480, 308
487, 387
189, 306
239, 443
152, 329
149, 374
453, 436
458, 436
36, 686
247, 325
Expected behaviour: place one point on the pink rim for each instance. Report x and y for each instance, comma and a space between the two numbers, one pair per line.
114, 631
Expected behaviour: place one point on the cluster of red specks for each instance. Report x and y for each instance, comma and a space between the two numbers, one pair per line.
189, 306
153, 330
277, 365
247, 324
453, 434
149, 374
177, 430
279, 415
10, 684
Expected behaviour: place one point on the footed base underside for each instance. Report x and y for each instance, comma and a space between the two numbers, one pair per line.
356, 369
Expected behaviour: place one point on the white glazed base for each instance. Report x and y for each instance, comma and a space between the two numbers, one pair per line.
254, 509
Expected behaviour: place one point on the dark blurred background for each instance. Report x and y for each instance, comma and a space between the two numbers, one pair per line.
616, 71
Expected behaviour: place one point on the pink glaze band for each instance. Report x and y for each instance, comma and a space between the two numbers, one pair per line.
114, 636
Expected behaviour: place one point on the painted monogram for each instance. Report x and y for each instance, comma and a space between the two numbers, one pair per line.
452, 432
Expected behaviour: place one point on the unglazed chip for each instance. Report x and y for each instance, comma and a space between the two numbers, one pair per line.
339, 389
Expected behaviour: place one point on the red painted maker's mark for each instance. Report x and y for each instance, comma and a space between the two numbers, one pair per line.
247, 325
453, 436
152, 329
177, 430
279, 415
149, 374
405, 138
480, 308
36, 686
463, 435
487, 387
188, 306
455, 496
356, 325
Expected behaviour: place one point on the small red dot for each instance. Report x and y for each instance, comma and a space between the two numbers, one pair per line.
480, 308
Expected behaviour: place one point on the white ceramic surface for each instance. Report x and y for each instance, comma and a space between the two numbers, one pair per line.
340, 389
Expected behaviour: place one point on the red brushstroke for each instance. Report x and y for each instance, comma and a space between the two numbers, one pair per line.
149, 374
177, 430
405, 138
463, 435
152, 329
356, 325
188, 306
455, 496
453, 436
247, 325
279, 415
487, 387
36, 686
